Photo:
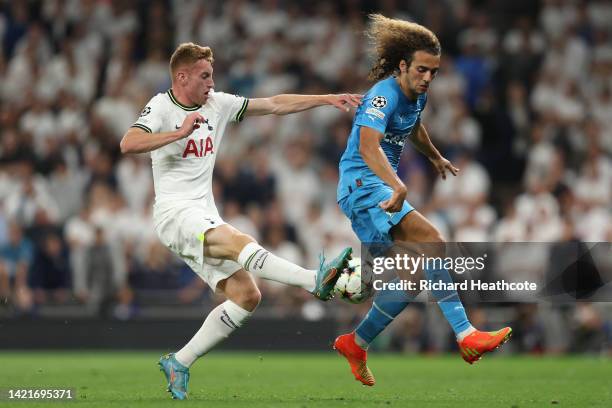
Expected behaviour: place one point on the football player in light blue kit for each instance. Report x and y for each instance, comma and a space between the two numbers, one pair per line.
373, 197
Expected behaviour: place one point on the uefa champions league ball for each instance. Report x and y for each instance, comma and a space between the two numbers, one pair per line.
353, 286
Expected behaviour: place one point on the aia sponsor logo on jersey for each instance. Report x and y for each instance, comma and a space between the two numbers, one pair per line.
198, 148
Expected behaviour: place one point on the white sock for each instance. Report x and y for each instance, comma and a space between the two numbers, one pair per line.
266, 265
219, 324
463, 334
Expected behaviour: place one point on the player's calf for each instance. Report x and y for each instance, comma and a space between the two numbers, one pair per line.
241, 289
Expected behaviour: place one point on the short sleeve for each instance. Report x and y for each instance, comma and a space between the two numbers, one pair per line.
150, 119
234, 105
377, 108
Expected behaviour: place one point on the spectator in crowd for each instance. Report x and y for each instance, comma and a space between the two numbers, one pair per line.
50, 278
15, 261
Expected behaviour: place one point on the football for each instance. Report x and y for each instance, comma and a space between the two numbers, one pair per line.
354, 285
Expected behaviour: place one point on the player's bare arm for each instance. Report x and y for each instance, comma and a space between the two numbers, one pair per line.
290, 103
420, 139
374, 157
137, 140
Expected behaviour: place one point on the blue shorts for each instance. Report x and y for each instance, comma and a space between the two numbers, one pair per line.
371, 223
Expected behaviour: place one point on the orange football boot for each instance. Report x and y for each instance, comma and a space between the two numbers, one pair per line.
476, 344
356, 357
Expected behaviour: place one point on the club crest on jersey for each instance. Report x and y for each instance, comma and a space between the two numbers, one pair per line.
200, 148
208, 124
145, 111
379, 101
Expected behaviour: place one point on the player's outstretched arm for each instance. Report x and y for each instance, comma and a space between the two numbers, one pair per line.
290, 103
420, 139
136, 140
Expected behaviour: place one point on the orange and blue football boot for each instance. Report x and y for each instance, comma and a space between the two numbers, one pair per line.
328, 274
177, 376
476, 344
356, 356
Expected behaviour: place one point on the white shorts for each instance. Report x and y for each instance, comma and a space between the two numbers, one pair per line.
181, 228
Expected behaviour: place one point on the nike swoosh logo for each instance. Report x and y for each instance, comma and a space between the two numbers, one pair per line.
177, 126
228, 322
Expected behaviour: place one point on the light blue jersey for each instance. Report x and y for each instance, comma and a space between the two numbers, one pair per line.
386, 109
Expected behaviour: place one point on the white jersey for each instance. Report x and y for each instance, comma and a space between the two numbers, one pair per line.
182, 170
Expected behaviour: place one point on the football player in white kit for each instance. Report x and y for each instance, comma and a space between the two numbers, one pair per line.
183, 128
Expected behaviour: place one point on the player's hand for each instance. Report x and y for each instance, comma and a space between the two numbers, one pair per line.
345, 101
191, 123
442, 166
395, 203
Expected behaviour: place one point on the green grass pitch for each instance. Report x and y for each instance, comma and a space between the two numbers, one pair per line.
266, 379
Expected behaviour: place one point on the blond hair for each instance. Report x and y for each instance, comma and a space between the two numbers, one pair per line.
396, 40
188, 54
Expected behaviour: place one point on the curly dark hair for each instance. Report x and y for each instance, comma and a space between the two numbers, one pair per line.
396, 40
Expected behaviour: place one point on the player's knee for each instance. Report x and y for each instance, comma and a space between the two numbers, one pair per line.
254, 298
437, 238
249, 298
437, 242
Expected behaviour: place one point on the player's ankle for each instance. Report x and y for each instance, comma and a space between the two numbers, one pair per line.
186, 359
464, 333
361, 342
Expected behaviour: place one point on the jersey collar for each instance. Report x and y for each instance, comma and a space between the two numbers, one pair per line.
180, 105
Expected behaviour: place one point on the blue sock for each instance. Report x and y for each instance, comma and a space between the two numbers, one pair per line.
386, 306
449, 301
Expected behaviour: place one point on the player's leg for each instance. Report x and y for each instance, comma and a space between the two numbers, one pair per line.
372, 225
353, 346
243, 296
226, 242
415, 229
421, 237
387, 305
413, 234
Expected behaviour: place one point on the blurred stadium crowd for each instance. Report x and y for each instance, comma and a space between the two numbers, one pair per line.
522, 105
